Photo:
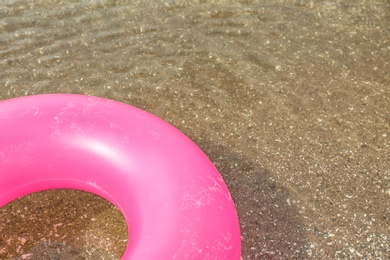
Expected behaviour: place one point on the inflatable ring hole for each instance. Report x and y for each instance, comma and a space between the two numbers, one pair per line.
62, 224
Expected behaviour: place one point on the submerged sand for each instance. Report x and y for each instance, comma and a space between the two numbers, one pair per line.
289, 99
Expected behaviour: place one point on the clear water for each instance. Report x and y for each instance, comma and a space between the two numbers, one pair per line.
290, 99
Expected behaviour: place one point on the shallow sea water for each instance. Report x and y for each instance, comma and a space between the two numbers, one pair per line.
289, 98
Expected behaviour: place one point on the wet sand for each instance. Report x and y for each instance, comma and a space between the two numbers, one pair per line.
289, 99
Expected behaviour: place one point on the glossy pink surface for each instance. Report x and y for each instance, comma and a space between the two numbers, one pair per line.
175, 202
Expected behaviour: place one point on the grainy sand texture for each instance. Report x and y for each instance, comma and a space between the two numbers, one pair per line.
290, 99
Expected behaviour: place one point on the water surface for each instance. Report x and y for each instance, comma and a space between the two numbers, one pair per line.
290, 99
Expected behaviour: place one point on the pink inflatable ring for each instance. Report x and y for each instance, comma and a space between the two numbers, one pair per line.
174, 200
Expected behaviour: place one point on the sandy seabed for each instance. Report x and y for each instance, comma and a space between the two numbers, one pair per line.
289, 99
